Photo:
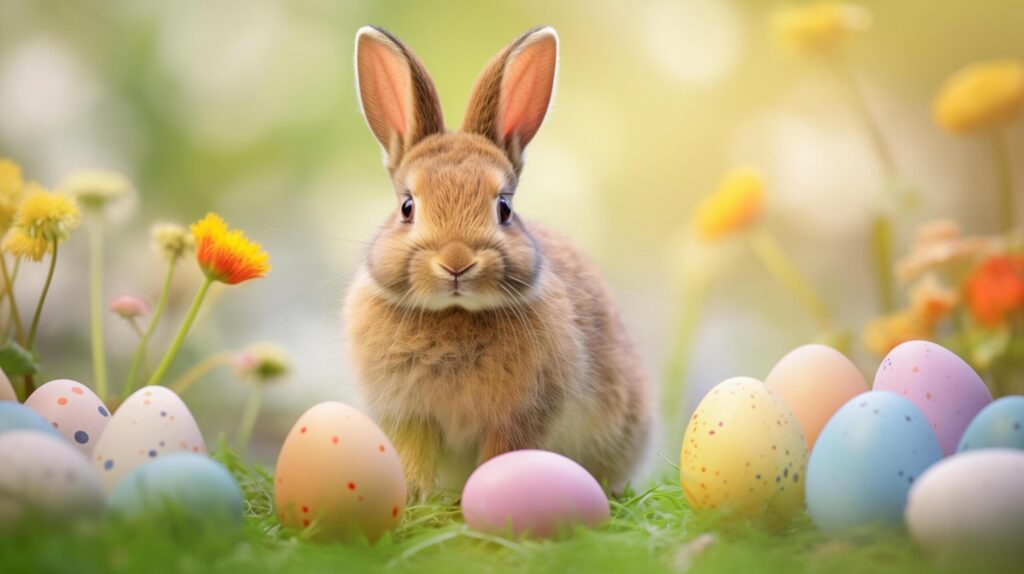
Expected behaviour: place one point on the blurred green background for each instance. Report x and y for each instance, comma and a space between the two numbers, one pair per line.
248, 108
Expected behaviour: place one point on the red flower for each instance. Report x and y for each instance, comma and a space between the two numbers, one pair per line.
996, 288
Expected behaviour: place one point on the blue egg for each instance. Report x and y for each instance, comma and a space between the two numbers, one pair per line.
16, 416
1000, 424
189, 485
865, 461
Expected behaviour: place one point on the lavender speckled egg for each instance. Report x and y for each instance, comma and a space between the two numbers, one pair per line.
73, 409
939, 383
44, 477
532, 492
153, 421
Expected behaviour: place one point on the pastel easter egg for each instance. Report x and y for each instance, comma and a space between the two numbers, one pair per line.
971, 505
866, 459
532, 493
16, 416
1000, 424
941, 384
339, 475
743, 454
6, 390
150, 423
182, 484
44, 477
73, 409
814, 381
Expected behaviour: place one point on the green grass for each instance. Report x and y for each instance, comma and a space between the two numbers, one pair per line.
650, 531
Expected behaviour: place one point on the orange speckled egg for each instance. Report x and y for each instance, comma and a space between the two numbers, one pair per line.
743, 454
814, 381
339, 475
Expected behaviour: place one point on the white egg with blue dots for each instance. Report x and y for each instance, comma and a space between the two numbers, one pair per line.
150, 423
73, 409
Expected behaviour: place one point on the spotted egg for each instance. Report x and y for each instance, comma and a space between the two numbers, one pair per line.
152, 422
6, 390
743, 454
73, 409
1001, 424
338, 476
866, 459
44, 477
944, 387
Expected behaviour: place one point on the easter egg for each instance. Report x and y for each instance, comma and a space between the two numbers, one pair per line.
743, 454
16, 416
339, 474
188, 484
73, 409
44, 477
814, 381
534, 493
971, 504
1000, 424
866, 459
6, 390
152, 422
941, 384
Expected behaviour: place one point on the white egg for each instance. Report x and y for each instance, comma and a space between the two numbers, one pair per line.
6, 390
971, 504
43, 475
73, 409
152, 422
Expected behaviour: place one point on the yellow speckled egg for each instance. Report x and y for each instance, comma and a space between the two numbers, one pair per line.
338, 475
743, 454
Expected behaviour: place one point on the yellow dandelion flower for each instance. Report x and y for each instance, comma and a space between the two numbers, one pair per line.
884, 334
981, 96
20, 244
46, 215
12, 188
734, 207
101, 191
171, 240
227, 255
818, 28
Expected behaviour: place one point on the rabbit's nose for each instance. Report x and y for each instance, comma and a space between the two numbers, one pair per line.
456, 259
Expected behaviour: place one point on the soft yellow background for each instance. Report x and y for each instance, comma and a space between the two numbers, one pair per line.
246, 107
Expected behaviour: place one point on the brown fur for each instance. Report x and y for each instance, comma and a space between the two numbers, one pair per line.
531, 353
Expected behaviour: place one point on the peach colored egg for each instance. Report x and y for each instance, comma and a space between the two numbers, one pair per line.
152, 422
339, 475
814, 381
74, 410
744, 455
6, 390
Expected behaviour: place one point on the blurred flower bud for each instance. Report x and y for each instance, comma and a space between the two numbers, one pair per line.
172, 241
982, 96
263, 363
102, 191
129, 306
818, 28
734, 207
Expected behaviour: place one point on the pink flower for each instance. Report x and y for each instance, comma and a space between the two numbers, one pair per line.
129, 306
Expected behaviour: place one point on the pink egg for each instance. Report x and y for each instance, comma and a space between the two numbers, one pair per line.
74, 410
532, 492
939, 383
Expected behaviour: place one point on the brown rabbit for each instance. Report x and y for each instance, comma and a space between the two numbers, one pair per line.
472, 332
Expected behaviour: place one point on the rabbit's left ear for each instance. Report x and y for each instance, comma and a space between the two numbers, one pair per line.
514, 92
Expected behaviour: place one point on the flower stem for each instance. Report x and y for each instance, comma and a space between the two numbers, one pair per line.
252, 410
781, 266
197, 372
688, 317
99, 364
42, 299
180, 338
140, 353
1004, 173
19, 330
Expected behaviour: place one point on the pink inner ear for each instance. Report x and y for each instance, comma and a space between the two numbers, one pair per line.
385, 85
527, 87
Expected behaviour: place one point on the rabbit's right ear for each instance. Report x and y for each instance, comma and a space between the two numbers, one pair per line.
397, 96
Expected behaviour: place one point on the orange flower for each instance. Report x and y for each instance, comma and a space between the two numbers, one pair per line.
995, 288
227, 255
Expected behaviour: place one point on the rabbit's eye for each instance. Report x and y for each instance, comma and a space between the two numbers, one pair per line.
408, 209
504, 210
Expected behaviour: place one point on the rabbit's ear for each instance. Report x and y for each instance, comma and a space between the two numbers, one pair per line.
513, 93
396, 93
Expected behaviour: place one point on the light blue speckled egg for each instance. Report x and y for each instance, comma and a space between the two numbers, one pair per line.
16, 416
190, 485
1001, 424
865, 461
